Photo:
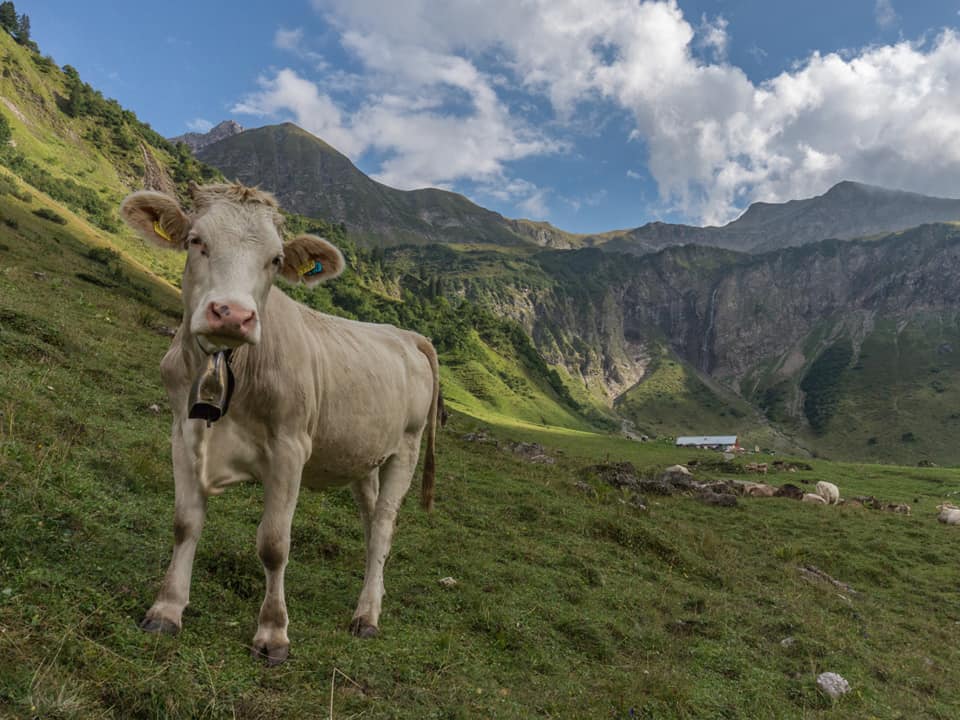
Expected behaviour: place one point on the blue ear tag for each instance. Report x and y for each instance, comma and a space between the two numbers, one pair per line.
307, 271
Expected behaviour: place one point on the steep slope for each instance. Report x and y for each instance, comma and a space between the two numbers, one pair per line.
312, 178
847, 210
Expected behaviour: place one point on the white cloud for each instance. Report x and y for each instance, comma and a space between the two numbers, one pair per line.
634, 175
288, 39
444, 87
713, 36
200, 125
884, 13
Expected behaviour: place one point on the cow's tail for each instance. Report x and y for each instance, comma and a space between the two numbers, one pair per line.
429, 463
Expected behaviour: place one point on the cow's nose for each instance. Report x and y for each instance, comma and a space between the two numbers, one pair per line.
231, 318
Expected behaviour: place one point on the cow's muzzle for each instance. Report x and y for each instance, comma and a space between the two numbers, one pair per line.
211, 391
230, 321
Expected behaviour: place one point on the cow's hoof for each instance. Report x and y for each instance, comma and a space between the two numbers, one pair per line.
273, 655
362, 629
159, 625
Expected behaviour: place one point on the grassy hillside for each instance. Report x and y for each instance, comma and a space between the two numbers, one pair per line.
567, 604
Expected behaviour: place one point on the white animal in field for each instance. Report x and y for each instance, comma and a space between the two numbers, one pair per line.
320, 401
949, 514
813, 498
829, 492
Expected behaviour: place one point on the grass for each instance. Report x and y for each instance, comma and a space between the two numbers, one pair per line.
567, 604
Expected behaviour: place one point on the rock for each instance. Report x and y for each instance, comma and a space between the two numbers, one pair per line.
165, 331
637, 501
39, 275
728, 456
655, 487
532, 452
718, 499
447, 582
476, 437
678, 469
155, 409
586, 488
617, 475
787, 642
677, 476
832, 684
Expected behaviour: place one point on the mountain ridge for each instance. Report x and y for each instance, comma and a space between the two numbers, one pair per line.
311, 177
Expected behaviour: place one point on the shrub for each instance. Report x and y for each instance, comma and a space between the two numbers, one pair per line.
52, 216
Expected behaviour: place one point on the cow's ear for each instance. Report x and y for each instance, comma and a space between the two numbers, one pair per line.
311, 259
157, 217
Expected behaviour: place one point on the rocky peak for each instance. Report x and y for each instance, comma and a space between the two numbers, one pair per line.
196, 141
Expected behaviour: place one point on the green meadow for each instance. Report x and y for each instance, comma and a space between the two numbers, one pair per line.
569, 602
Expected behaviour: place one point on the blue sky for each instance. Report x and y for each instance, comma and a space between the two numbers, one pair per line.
591, 114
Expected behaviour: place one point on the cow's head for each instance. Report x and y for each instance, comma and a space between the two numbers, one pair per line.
234, 252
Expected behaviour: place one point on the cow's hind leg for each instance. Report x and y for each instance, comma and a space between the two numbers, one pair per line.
190, 509
395, 477
273, 546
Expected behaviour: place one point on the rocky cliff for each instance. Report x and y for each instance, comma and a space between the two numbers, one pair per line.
197, 141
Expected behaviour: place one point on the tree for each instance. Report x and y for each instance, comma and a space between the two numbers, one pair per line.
8, 17
23, 29
5, 133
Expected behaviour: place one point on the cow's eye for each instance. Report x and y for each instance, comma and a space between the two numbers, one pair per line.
278, 261
196, 241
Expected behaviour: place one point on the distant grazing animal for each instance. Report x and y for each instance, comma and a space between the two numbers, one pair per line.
760, 490
757, 468
829, 492
949, 514
320, 401
813, 498
789, 490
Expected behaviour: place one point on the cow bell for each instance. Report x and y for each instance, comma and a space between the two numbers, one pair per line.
211, 391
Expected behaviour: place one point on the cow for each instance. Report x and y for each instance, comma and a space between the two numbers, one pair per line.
949, 514
813, 498
829, 492
319, 401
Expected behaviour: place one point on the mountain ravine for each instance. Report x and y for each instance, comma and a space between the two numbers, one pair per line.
754, 323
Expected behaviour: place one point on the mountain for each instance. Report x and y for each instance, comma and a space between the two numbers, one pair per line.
197, 141
847, 210
310, 177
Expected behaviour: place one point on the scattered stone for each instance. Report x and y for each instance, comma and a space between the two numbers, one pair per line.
789, 491
531, 452
728, 456
164, 330
678, 469
832, 684
618, 475
637, 501
677, 476
155, 409
39, 275
586, 488
480, 436
813, 573
718, 499
922, 463
787, 642
447, 582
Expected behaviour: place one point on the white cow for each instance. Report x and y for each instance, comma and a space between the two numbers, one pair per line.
813, 498
949, 514
829, 492
320, 400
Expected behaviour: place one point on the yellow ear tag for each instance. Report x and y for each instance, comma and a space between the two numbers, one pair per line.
311, 268
160, 231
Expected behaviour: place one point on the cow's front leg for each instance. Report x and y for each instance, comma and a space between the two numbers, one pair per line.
273, 546
395, 477
190, 509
